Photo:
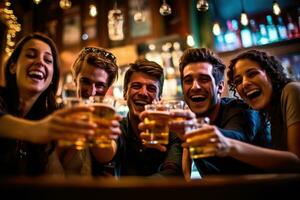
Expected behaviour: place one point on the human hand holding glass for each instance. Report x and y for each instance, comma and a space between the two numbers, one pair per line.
106, 118
202, 139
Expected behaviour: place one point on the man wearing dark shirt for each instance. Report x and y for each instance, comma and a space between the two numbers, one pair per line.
143, 83
202, 78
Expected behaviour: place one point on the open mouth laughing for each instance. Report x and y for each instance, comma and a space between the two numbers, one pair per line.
36, 74
252, 94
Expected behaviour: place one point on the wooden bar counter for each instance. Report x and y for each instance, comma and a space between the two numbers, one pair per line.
260, 186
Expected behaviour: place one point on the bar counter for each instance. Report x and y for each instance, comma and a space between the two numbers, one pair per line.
213, 187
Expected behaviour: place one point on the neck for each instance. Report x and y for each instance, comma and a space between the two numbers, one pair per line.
212, 113
26, 103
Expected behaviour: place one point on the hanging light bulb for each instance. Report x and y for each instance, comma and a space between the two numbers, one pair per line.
202, 5
165, 9
190, 40
276, 8
139, 16
244, 17
37, 1
93, 10
216, 29
65, 4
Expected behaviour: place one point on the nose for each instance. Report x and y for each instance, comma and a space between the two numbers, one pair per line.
92, 90
196, 85
245, 82
143, 90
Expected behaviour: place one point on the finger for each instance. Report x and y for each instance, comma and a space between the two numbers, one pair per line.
73, 123
67, 111
200, 140
155, 146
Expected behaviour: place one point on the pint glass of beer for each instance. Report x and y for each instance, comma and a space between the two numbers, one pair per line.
77, 141
104, 112
157, 120
206, 150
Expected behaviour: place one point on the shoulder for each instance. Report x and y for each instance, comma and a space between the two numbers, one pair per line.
291, 87
234, 103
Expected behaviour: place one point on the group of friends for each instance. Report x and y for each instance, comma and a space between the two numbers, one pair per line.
257, 131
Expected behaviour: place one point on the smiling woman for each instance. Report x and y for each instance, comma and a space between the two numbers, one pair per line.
260, 80
32, 75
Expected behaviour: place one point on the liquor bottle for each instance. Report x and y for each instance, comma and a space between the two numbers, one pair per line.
264, 39
281, 28
271, 29
255, 33
231, 37
292, 28
246, 37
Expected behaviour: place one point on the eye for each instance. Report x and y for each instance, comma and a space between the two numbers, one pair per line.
187, 80
100, 86
204, 79
237, 81
84, 81
135, 86
151, 88
252, 73
48, 59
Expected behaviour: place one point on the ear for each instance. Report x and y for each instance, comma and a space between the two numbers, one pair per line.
12, 68
220, 87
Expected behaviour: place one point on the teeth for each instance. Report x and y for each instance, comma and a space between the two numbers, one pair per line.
252, 92
198, 96
36, 73
141, 102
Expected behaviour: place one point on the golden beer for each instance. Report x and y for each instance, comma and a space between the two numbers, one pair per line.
77, 141
158, 129
102, 116
204, 151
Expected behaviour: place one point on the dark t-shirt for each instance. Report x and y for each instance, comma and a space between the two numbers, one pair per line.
135, 160
18, 157
236, 120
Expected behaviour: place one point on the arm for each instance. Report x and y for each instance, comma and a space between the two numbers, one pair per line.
104, 155
270, 159
53, 127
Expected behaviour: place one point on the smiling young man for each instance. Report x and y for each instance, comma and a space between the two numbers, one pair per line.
202, 78
143, 83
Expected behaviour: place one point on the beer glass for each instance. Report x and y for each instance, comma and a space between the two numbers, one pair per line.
77, 141
207, 150
157, 120
104, 112
176, 106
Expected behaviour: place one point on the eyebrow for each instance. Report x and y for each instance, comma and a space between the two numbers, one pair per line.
34, 49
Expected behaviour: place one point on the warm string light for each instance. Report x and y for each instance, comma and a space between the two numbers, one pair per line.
216, 29
13, 27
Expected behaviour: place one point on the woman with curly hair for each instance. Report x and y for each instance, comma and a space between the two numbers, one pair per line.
259, 79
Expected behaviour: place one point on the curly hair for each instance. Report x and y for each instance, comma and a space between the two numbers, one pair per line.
194, 55
269, 63
147, 67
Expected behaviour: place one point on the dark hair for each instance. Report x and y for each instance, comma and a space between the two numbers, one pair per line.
269, 63
97, 57
147, 67
194, 55
46, 101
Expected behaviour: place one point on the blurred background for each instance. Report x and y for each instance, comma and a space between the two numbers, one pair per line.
156, 29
